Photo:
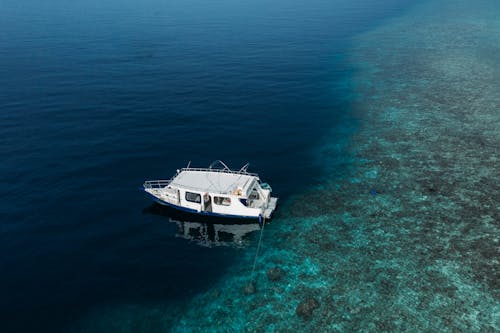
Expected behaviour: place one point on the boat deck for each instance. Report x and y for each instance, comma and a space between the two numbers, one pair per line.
212, 181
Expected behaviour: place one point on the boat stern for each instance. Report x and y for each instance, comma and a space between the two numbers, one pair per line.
271, 206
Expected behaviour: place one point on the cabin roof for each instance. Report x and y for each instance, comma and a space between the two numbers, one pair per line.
212, 181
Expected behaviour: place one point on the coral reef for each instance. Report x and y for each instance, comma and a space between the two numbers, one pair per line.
410, 240
275, 274
305, 309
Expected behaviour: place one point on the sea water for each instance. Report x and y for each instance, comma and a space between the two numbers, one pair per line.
96, 97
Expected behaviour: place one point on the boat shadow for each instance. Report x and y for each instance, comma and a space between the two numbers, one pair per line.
207, 231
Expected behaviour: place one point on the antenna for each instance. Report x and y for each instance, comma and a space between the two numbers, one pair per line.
214, 163
245, 167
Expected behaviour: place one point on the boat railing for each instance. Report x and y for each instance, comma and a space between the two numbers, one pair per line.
240, 172
160, 183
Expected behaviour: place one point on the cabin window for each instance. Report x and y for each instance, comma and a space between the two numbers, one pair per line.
222, 201
193, 197
254, 195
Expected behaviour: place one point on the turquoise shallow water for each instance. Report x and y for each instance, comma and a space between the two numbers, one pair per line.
409, 241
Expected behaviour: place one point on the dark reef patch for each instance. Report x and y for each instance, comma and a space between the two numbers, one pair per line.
306, 308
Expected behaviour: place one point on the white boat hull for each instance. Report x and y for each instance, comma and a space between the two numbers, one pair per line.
215, 192
267, 213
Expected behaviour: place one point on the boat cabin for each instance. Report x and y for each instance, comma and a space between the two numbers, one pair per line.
215, 191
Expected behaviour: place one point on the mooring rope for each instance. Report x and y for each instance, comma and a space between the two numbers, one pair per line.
258, 246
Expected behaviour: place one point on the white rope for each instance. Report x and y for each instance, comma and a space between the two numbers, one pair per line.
258, 247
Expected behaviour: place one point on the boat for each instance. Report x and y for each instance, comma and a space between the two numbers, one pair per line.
215, 191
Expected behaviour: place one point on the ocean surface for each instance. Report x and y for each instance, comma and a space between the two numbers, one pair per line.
98, 96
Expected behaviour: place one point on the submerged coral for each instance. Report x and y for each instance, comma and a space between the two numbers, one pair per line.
306, 308
410, 241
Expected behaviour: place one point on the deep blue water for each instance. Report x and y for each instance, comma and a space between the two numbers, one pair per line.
97, 96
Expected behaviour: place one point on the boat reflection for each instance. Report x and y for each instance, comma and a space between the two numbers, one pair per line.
209, 232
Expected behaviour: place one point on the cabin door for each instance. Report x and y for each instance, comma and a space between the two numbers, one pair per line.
207, 203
